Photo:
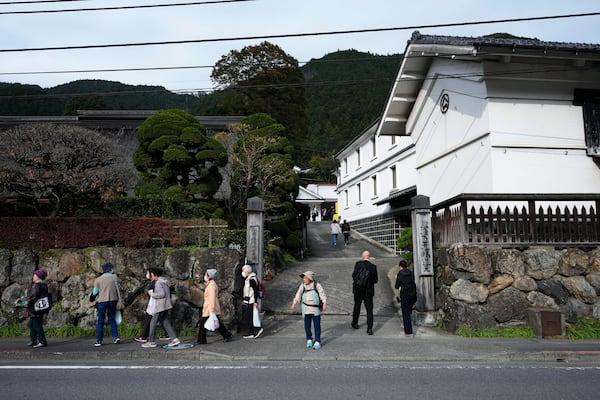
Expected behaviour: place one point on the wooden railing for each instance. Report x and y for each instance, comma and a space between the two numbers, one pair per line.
518, 220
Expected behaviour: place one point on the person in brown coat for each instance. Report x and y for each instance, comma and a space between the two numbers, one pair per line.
211, 305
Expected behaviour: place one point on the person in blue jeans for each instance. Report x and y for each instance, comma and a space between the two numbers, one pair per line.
106, 294
314, 301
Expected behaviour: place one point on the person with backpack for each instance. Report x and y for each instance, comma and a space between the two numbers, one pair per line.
405, 281
346, 232
35, 309
314, 301
364, 278
250, 296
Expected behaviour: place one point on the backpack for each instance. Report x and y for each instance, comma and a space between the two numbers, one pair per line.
320, 305
362, 278
261, 289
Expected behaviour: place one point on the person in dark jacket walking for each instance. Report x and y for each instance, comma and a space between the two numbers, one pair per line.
39, 289
364, 278
346, 232
405, 281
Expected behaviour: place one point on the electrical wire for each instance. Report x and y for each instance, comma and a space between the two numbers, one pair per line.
292, 35
195, 3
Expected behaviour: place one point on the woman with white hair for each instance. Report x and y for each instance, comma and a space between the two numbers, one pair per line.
250, 303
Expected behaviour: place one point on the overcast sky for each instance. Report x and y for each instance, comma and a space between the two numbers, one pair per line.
244, 19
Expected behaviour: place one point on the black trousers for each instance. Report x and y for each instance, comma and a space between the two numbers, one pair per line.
359, 298
407, 307
247, 319
202, 330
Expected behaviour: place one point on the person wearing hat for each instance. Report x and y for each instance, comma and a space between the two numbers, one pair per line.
314, 301
39, 289
211, 305
106, 294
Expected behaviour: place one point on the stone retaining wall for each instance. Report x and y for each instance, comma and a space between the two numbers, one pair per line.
487, 287
71, 274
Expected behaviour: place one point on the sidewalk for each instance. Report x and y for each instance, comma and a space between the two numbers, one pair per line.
283, 341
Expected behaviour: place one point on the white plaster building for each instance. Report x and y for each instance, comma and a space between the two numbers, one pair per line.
488, 118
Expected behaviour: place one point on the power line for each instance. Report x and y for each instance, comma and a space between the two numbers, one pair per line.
291, 35
293, 85
133, 69
7, 3
195, 3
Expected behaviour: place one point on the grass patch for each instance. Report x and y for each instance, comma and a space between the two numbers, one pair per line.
585, 328
509, 332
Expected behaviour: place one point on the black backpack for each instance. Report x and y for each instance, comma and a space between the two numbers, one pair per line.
361, 282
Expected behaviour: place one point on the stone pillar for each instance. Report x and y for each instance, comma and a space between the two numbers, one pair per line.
255, 245
423, 260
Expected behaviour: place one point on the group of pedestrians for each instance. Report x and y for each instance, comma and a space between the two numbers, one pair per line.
310, 295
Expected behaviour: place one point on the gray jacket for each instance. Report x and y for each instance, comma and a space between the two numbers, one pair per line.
162, 295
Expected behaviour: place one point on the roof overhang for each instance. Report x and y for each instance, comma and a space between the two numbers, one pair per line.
421, 50
400, 197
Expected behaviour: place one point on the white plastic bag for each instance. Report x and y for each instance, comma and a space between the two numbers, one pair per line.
212, 323
255, 317
118, 317
151, 308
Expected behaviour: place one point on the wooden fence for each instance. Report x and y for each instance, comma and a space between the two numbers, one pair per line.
518, 222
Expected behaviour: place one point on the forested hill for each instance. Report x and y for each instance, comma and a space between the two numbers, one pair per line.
18, 99
346, 92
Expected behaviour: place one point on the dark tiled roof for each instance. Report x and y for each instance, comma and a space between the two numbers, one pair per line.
417, 37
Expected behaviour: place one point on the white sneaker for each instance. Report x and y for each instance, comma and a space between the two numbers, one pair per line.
260, 332
174, 342
248, 337
309, 343
317, 346
149, 344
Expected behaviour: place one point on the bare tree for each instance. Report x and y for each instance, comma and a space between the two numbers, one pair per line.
61, 164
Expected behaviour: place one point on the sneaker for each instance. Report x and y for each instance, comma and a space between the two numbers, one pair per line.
317, 346
97, 344
140, 339
116, 340
149, 344
174, 342
37, 346
248, 337
30, 344
164, 337
309, 343
260, 332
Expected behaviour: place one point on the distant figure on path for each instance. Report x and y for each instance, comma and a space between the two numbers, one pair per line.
364, 278
336, 229
405, 281
346, 232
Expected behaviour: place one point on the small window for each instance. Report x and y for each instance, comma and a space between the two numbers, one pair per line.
357, 158
374, 180
345, 166
346, 198
359, 194
393, 140
394, 178
373, 148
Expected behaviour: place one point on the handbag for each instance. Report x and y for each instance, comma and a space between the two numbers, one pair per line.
212, 323
42, 304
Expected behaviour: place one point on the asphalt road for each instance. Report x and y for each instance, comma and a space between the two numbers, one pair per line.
305, 382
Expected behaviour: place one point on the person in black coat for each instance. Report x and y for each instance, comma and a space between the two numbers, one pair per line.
364, 278
405, 281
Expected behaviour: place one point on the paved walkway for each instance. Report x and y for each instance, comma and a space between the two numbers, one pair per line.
283, 340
